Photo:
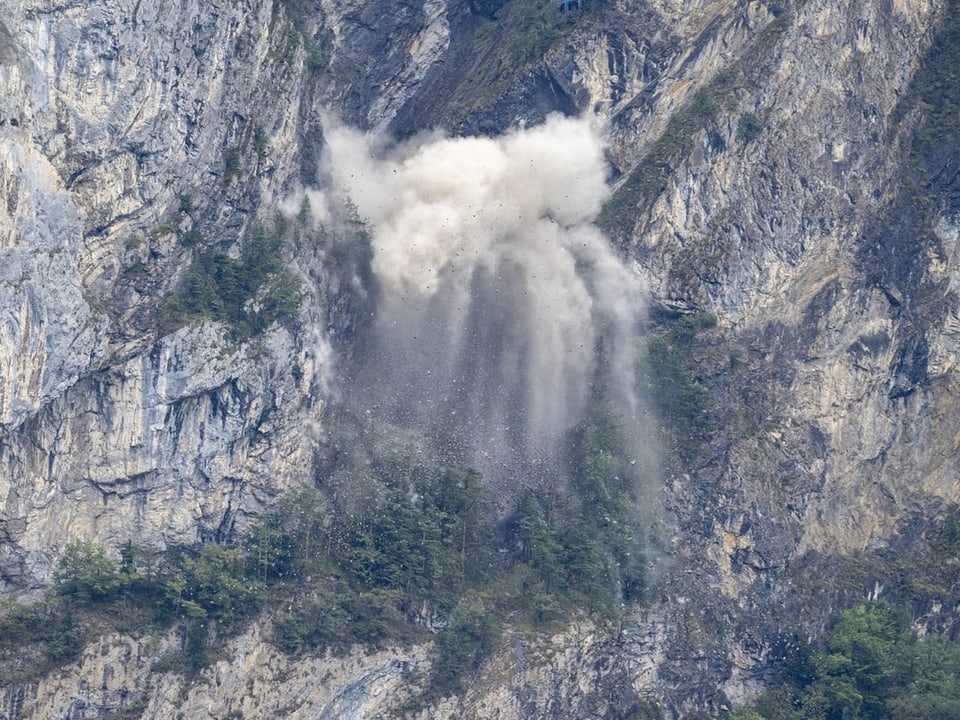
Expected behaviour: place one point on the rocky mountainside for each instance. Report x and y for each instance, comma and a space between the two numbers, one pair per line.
785, 182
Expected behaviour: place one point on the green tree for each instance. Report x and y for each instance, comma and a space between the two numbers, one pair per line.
536, 543
468, 638
217, 587
64, 638
272, 549
867, 659
250, 292
286, 543
933, 692
874, 668
321, 622
85, 573
374, 617
682, 404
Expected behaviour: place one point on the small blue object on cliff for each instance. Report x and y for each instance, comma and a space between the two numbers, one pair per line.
566, 5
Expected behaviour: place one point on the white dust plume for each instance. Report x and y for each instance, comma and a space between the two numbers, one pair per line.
495, 285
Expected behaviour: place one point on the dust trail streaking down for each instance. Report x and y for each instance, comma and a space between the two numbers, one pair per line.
495, 286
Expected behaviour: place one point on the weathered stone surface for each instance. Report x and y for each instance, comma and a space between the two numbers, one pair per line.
557, 676
255, 681
166, 448
117, 112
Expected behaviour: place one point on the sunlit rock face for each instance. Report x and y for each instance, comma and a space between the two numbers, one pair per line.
136, 136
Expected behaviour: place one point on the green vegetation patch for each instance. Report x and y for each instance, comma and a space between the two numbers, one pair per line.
872, 663
299, 32
535, 27
683, 405
650, 178
935, 90
206, 590
426, 552
249, 292
413, 555
872, 666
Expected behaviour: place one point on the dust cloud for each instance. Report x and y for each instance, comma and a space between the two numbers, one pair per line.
495, 287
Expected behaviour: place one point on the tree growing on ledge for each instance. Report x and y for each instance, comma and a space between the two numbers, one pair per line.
85, 573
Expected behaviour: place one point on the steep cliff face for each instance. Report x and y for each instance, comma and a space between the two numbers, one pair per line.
773, 163
128, 129
774, 226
